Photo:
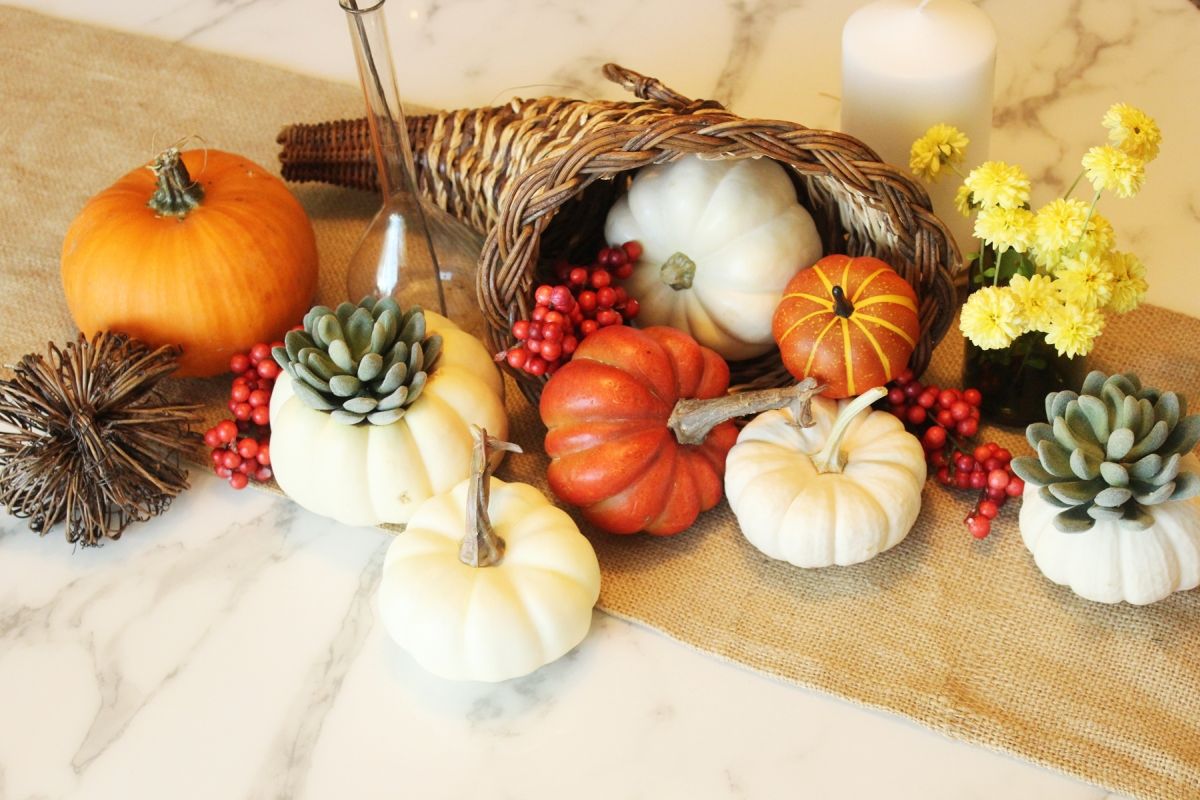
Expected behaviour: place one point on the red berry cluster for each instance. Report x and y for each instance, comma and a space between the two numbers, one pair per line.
942, 419
241, 447
565, 313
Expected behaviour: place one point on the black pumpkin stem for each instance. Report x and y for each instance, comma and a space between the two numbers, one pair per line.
841, 304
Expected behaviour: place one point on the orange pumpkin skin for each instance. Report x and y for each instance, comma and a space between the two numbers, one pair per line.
239, 268
854, 346
611, 451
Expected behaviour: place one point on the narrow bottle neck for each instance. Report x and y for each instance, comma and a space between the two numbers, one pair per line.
377, 76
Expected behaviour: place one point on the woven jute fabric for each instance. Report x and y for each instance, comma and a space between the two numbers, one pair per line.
965, 637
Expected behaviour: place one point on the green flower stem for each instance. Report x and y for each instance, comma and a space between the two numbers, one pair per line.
1088, 218
1074, 183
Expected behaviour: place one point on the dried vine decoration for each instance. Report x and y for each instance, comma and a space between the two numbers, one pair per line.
86, 439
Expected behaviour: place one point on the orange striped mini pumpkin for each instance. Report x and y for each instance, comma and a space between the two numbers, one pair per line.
848, 322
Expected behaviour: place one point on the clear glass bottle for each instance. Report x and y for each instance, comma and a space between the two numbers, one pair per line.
412, 250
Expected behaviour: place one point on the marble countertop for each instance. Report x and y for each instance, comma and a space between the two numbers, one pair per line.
230, 648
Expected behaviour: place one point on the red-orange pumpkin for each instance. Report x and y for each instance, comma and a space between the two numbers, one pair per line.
851, 323
206, 250
612, 453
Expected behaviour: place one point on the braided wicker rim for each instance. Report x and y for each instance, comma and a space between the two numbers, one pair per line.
539, 176
861, 206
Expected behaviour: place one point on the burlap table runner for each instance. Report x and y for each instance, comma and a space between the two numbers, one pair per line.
965, 637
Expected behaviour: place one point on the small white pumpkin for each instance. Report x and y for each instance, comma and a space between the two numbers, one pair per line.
370, 474
720, 240
1113, 563
840, 491
512, 594
1111, 504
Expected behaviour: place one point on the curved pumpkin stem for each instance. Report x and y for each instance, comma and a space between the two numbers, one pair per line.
830, 458
692, 420
177, 194
482, 546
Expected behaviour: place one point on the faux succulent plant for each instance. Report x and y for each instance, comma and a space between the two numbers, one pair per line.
365, 363
1110, 451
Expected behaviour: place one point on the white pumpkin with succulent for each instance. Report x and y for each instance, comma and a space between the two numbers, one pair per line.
490, 581
840, 490
720, 240
1112, 500
373, 410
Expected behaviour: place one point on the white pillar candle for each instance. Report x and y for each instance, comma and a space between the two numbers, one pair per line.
909, 64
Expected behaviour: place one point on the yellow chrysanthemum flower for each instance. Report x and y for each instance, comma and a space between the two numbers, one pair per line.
1133, 131
1059, 224
1084, 280
1073, 330
1005, 228
963, 201
1115, 170
1129, 281
994, 183
1099, 237
1037, 300
941, 145
990, 318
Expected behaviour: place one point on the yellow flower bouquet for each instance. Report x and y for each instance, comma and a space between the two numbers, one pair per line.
1043, 279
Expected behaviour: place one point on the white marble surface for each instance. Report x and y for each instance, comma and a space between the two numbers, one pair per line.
229, 648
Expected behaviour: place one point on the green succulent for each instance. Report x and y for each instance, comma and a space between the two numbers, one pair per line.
1110, 451
365, 363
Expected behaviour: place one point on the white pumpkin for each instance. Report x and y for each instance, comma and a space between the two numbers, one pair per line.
371, 474
1112, 563
483, 608
720, 240
839, 492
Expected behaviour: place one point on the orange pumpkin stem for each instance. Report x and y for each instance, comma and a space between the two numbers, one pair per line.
841, 304
177, 194
692, 420
482, 546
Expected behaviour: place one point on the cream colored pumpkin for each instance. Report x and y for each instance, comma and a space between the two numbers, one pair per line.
1112, 563
489, 623
864, 502
371, 474
742, 236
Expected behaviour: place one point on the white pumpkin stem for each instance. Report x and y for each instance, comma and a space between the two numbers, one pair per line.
692, 420
482, 546
678, 271
830, 457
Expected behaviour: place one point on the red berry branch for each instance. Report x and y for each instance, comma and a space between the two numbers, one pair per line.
241, 447
565, 313
945, 420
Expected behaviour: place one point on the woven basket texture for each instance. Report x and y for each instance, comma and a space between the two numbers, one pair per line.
538, 177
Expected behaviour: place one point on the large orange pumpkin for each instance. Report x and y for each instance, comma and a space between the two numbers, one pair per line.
214, 262
613, 453
848, 322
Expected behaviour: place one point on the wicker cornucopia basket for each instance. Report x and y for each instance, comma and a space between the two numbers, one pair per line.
538, 177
